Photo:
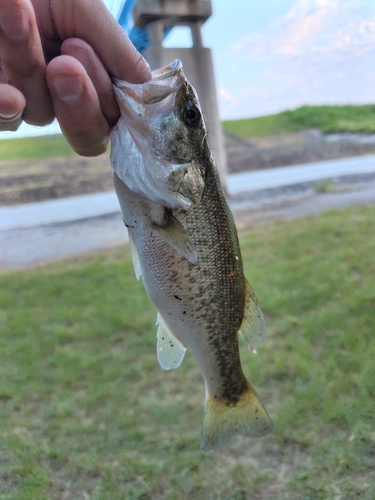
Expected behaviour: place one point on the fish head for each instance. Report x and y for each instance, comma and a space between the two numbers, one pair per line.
159, 141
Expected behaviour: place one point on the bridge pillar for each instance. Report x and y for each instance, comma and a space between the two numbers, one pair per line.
159, 15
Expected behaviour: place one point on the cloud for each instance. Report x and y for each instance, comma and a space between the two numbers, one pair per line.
314, 26
307, 20
247, 101
320, 51
226, 96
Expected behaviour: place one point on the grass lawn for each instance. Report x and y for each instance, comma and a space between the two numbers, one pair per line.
86, 412
35, 148
328, 119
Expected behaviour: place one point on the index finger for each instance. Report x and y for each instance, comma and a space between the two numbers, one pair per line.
100, 30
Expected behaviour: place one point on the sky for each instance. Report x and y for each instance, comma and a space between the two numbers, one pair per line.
280, 54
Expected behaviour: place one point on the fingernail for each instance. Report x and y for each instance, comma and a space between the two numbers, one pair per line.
15, 23
4, 116
10, 122
68, 87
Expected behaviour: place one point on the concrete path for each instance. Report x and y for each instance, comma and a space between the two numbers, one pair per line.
308, 172
62, 210
304, 204
31, 245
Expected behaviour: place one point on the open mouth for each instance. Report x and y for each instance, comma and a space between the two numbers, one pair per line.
167, 71
165, 81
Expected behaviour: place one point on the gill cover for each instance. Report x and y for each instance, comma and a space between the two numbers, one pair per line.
139, 152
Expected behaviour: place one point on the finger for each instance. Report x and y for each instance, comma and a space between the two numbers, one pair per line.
3, 78
77, 106
12, 104
22, 58
103, 33
81, 51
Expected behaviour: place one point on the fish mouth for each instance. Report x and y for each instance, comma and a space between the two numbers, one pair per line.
164, 82
141, 102
167, 71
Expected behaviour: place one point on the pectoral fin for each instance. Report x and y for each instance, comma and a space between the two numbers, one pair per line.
176, 235
253, 327
170, 350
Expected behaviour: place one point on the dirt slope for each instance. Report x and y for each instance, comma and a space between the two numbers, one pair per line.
30, 181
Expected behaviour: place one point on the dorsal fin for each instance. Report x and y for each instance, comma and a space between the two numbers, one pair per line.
170, 350
253, 326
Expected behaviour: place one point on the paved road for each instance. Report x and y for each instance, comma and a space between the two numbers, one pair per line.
62, 210
32, 245
309, 172
37, 232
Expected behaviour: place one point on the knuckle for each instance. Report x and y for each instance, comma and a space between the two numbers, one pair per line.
14, 70
5, 127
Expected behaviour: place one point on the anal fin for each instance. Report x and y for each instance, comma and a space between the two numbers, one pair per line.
170, 350
253, 326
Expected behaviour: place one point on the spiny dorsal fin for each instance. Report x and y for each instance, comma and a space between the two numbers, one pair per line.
170, 350
135, 257
253, 326
176, 235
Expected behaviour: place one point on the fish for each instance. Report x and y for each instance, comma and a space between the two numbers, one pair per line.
184, 244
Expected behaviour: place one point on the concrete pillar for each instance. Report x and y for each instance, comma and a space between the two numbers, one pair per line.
196, 34
156, 15
155, 31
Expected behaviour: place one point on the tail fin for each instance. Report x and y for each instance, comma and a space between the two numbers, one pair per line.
222, 420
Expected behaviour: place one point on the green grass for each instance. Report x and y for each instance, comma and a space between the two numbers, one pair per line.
328, 119
34, 148
87, 413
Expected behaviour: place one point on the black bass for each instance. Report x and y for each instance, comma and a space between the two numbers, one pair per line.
184, 244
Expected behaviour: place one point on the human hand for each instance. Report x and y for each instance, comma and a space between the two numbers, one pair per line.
56, 57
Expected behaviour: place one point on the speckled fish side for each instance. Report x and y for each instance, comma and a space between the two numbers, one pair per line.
184, 244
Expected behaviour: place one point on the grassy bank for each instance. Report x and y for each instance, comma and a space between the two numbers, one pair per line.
86, 412
325, 118
328, 119
34, 148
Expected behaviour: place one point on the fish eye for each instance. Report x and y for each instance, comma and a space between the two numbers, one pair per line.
191, 114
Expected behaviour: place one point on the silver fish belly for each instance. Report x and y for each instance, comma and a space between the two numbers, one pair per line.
184, 244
